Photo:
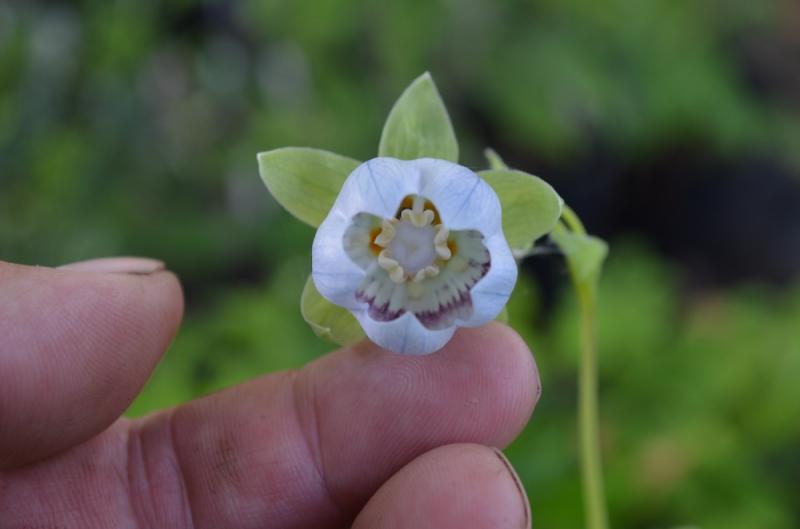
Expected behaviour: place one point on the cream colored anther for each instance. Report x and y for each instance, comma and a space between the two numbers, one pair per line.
387, 233
396, 272
428, 271
419, 219
440, 242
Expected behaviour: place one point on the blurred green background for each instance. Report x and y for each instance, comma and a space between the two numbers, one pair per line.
671, 126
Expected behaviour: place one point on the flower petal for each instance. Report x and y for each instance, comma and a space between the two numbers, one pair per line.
357, 239
416, 317
405, 334
464, 200
386, 299
491, 293
377, 186
445, 299
336, 276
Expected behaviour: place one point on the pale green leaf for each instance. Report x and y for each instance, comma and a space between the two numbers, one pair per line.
418, 125
503, 316
531, 207
328, 321
584, 253
495, 162
305, 181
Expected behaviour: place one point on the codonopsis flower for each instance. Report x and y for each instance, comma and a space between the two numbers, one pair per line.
414, 249
410, 245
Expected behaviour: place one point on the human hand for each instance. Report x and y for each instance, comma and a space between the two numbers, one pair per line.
359, 434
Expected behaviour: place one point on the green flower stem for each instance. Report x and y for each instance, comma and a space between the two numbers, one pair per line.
572, 220
588, 423
585, 255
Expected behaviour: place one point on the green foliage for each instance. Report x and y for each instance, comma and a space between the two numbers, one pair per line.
503, 316
305, 181
124, 128
531, 207
328, 321
495, 162
694, 402
584, 253
243, 333
418, 125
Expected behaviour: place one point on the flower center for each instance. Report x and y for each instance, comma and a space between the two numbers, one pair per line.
413, 246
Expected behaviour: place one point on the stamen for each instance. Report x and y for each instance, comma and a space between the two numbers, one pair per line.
419, 219
387, 262
418, 203
428, 271
396, 272
436, 219
398, 275
412, 246
451, 244
387, 233
440, 242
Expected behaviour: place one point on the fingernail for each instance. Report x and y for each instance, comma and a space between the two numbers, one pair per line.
117, 265
520, 488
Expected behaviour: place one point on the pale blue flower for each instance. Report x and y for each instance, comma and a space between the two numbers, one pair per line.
414, 249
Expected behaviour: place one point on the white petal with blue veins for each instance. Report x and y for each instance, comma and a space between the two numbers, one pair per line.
335, 275
405, 334
491, 293
464, 200
377, 186
469, 289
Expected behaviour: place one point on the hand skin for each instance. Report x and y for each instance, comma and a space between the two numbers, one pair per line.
360, 437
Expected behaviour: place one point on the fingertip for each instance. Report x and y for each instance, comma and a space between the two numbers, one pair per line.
78, 347
166, 297
459, 486
480, 388
512, 377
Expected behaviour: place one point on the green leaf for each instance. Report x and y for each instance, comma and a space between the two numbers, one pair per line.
503, 316
531, 207
328, 321
305, 181
585, 253
495, 162
418, 125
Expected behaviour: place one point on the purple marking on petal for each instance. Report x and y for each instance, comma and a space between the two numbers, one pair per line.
446, 297
445, 316
378, 312
459, 306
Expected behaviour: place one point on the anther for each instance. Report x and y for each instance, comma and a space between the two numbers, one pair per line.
387, 233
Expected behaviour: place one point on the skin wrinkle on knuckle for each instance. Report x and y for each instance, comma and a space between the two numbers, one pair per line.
179, 471
134, 461
306, 410
145, 481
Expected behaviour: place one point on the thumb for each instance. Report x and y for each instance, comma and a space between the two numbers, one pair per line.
76, 346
